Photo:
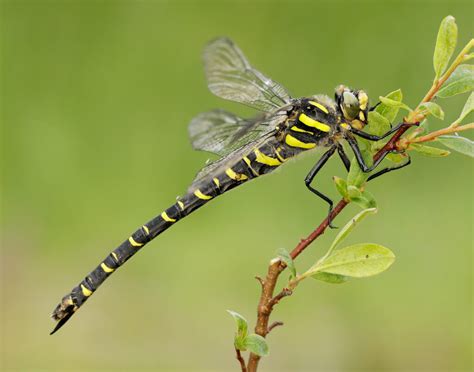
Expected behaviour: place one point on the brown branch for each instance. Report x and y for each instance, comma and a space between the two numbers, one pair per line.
274, 325
267, 300
241, 360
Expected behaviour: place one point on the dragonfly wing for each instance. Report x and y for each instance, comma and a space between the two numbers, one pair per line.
230, 76
222, 132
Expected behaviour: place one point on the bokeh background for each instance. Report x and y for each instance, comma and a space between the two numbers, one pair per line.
96, 98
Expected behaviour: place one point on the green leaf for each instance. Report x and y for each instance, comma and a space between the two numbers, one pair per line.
358, 261
256, 344
392, 103
331, 278
348, 227
242, 329
461, 81
460, 144
433, 152
356, 176
432, 108
467, 109
286, 258
377, 124
341, 186
395, 158
353, 192
445, 45
389, 112
365, 200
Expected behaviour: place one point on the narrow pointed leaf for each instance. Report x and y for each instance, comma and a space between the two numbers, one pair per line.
460, 144
433, 152
348, 227
393, 103
358, 261
341, 186
432, 108
461, 81
467, 109
445, 44
365, 200
390, 112
286, 258
256, 344
242, 325
330, 278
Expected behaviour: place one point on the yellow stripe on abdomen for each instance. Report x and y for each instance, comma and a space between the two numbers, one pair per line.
106, 268
202, 196
249, 164
167, 218
85, 291
235, 176
293, 142
134, 243
267, 160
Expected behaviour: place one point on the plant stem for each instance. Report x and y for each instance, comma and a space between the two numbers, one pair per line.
434, 135
241, 360
267, 299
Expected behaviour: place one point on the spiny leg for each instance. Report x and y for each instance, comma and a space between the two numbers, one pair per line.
343, 156
347, 164
312, 173
360, 159
389, 169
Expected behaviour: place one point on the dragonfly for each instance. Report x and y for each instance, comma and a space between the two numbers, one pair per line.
247, 148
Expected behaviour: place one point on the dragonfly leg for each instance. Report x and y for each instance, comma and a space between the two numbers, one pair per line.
389, 169
343, 156
312, 173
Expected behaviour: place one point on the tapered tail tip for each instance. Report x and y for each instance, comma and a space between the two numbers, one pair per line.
63, 312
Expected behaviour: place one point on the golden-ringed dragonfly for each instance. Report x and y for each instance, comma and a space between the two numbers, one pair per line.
248, 148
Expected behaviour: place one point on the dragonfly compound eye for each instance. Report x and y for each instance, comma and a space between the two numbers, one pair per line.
350, 105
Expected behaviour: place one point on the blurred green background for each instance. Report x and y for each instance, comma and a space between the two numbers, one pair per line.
96, 98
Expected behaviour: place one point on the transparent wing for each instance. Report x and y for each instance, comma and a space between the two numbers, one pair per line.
218, 166
222, 132
230, 76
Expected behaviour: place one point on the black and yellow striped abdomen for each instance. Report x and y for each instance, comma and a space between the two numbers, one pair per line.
258, 162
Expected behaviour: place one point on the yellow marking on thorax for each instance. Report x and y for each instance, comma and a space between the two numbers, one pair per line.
293, 142
298, 129
306, 120
345, 126
363, 100
106, 268
319, 106
200, 195
147, 231
277, 152
249, 164
235, 176
85, 291
181, 205
362, 115
267, 160
167, 218
134, 243
115, 256
216, 182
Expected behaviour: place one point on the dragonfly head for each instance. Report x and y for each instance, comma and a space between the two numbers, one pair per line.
354, 105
